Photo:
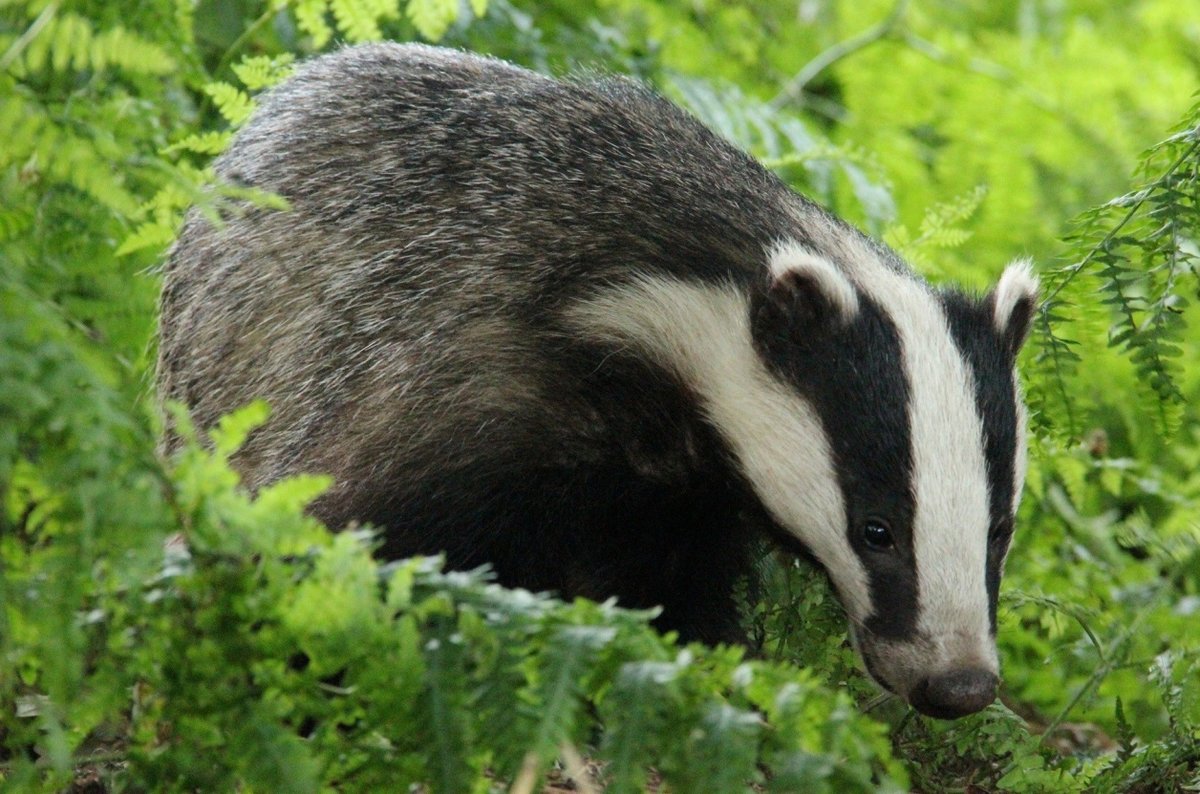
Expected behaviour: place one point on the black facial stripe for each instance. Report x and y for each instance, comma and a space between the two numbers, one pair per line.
991, 365
854, 376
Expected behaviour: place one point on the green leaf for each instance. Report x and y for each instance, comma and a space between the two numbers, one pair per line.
310, 17
432, 18
232, 430
233, 103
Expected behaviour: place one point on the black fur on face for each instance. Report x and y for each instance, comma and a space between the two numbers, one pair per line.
850, 369
990, 356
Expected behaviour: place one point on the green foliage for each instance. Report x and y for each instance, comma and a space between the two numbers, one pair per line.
163, 630
365, 20
787, 145
266, 651
1140, 246
940, 230
62, 41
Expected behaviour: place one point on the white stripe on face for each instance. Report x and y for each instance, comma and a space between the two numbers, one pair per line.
950, 482
702, 333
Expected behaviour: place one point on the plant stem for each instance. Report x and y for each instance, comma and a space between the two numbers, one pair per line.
843, 49
247, 34
29, 35
1073, 270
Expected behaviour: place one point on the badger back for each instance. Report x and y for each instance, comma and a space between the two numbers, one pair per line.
444, 206
474, 256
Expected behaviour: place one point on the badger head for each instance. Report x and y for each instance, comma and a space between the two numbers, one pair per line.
879, 423
921, 419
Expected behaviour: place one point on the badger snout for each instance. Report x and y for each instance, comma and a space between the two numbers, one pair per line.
954, 694
945, 676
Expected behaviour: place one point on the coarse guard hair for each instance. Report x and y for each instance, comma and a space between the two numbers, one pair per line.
561, 328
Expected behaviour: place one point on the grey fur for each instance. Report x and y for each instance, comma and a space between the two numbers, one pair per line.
440, 201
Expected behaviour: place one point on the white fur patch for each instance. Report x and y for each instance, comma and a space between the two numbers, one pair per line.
1017, 283
703, 334
790, 257
950, 482
1020, 461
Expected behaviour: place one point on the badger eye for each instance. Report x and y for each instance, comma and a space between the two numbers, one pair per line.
877, 535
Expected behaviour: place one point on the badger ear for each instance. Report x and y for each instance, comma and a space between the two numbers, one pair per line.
808, 290
1012, 303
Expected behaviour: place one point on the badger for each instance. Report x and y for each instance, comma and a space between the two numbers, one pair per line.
561, 328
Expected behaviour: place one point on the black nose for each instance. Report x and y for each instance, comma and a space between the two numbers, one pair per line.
955, 694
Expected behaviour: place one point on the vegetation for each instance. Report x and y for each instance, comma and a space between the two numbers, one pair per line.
159, 630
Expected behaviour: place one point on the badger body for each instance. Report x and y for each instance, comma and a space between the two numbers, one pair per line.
563, 329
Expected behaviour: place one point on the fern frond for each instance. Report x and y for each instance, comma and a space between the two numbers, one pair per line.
234, 105
262, 71
1138, 246
209, 143
69, 41
1056, 363
185, 18
151, 234
557, 700
432, 18
445, 705
939, 230
361, 20
383, 9
55, 152
723, 748
945, 216
118, 47
642, 697
164, 212
189, 186
356, 20
310, 17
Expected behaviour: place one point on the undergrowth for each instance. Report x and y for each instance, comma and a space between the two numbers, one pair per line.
161, 630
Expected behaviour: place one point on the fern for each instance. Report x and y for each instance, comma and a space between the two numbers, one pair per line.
432, 18
1139, 247
557, 695
310, 17
721, 751
266, 654
639, 706
47, 149
940, 229
364, 20
14, 221
234, 104
208, 143
161, 216
359, 20
185, 19
68, 41
163, 212
262, 71
446, 704
1056, 362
